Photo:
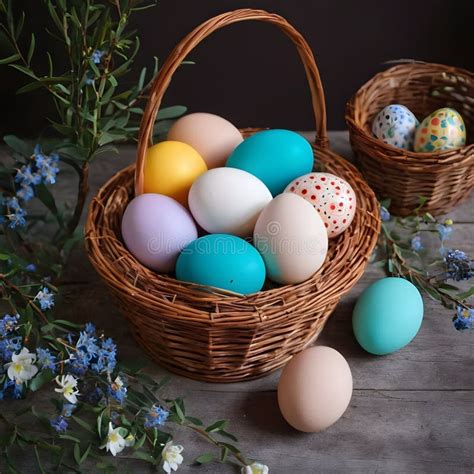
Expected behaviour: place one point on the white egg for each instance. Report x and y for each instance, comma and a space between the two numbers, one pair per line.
396, 126
292, 239
228, 201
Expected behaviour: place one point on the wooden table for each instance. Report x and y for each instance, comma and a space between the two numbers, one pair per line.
410, 411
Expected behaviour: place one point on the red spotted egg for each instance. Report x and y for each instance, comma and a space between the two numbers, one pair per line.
332, 197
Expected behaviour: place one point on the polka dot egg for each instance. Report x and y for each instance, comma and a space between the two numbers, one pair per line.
444, 129
332, 197
396, 126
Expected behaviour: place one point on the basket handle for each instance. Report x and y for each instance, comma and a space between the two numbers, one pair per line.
189, 42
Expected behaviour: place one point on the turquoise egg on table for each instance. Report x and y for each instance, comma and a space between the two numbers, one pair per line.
223, 261
276, 157
387, 315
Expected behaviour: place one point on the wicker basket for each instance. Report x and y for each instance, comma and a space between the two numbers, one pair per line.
214, 335
443, 178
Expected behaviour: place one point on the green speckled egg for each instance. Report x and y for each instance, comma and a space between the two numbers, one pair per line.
387, 315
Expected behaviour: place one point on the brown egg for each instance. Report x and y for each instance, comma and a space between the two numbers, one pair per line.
214, 137
315, 389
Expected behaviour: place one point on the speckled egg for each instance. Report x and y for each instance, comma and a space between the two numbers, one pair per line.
332, 197
444, 129
396, 126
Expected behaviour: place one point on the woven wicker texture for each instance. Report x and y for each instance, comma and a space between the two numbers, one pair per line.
210, 334
444, 178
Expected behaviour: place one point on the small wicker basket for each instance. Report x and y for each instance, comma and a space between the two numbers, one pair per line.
214, 335
443, 178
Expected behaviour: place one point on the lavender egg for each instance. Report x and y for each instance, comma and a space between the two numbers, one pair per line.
396, 126
155, 228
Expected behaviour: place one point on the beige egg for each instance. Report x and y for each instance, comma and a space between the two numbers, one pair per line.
315, 389
214, 137
291, 238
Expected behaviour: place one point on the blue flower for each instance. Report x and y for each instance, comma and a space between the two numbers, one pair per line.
25, 193
458, 265
47, 166
89, 328
15, 213
97, 56
59, 423
26, 176
155, 417
67, 410
106, 357
384, 214
12, 389
8, 323
8, 347
464, 318
416, 244
78, 363
45, 298
117, 390
444, 231
31, 267
90, 78
87, 344
46, 360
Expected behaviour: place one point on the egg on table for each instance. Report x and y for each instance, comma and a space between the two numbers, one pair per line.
171, 168
315, 389
274, 156
332, 197
387, 315
155, 228
228, 201
396, 126
443, 129
292, 239
213, 137
222, 261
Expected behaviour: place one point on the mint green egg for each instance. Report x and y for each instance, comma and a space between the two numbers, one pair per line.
223, 261
387, 315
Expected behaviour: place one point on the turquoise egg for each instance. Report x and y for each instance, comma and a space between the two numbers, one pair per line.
276, 157
224, 261
387, 315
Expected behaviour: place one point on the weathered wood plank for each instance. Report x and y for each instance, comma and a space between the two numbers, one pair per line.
411, 411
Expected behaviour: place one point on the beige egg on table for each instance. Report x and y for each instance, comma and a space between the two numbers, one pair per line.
315, 389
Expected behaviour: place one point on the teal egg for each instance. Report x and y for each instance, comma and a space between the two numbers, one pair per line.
387, 315
224, 261
276, 157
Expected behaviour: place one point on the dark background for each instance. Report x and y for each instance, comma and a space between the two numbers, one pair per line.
251, 74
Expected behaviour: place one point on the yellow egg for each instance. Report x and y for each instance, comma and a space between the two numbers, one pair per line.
443, 129
171, 168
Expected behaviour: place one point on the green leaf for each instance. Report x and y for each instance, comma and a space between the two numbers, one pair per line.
466, 294
204, 458
45, 196
83, 423
224, 453
85, 454
171, 112
40, 379
228, 435
194, 421
31, 50
77, 453
217, 426
144, 456
140, 442
10, 59
70, 438
18, 145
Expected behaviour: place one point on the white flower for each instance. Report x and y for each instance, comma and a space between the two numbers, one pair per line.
22, 368
67, 384
115, 441
255, 468
171, 457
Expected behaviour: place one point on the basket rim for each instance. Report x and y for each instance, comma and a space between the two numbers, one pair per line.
253, 303
459, 154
